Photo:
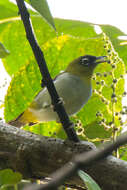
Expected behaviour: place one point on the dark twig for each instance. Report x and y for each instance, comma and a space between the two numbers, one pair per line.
79, 162
58, 106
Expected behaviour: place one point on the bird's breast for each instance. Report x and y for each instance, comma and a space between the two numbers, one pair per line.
74, 92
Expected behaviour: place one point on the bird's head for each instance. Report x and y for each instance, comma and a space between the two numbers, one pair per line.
84, 65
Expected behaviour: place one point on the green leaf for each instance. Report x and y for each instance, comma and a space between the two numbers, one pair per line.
23, 87
58, 53
12, 33
3, 51
29, 76
89, 182
51, 129
76, 28
8, 177
74, 39
42, 7
7, 10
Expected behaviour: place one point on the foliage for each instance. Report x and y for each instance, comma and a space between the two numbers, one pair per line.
101, 117
74, 39
9, 178
90, 183
42, 7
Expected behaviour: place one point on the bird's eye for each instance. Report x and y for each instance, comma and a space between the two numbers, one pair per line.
84, 61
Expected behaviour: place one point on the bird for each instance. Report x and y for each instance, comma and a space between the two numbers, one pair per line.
73, 86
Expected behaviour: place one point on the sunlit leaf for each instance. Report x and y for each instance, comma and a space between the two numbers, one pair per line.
74, 39
26, 83
12, 34
7, 10
42, 7
23, 87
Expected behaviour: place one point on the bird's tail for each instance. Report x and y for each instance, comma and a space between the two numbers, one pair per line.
23, 119
17, 122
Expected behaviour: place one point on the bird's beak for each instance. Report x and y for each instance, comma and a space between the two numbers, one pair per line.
101, 59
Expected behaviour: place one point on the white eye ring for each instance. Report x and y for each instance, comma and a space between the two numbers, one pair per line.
85, 59
82, 61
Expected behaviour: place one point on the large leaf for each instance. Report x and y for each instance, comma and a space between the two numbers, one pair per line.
29, 77
42, 7
23, 87
12, 34
7, 10
76, 28
21, 97
8, 177
56, 53
74, 39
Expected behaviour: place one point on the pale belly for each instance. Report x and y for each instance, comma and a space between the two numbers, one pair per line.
73, 92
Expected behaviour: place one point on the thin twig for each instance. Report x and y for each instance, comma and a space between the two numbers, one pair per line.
56, 101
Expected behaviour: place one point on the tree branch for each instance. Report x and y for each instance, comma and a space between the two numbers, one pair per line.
37, 157
58, 106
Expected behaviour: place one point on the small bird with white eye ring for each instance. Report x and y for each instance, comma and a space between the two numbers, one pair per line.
73, 86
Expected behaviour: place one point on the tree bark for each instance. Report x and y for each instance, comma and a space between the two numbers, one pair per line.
37, 156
